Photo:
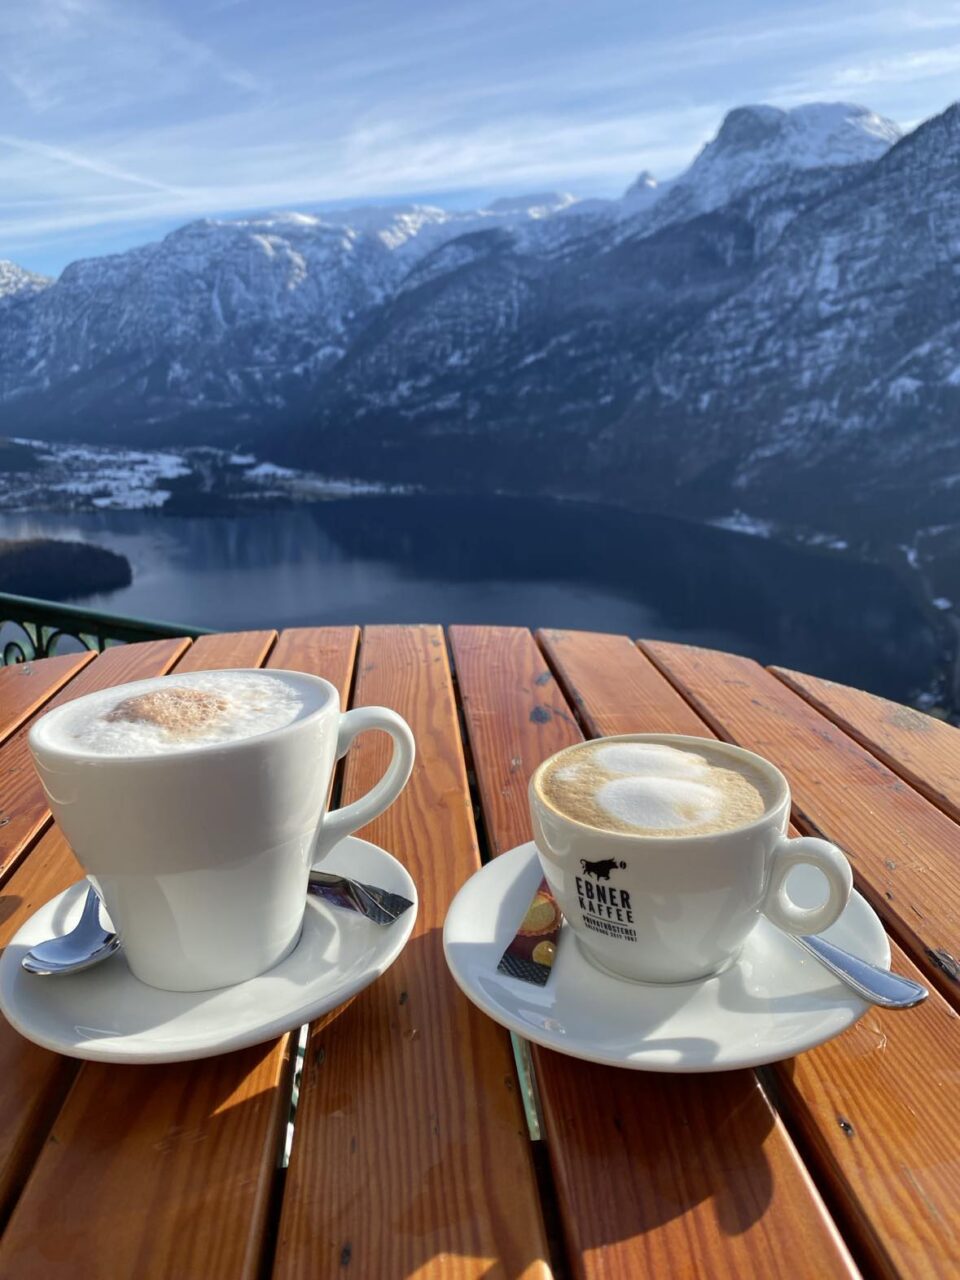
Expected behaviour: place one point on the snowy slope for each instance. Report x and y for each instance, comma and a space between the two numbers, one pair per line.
535, 309
16, 283
224, 314
836, 370
757, 145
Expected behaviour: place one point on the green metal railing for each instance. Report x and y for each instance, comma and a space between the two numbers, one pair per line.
32, 629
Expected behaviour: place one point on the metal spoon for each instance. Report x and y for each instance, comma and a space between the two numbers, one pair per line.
877, 985
85, 945
88, 942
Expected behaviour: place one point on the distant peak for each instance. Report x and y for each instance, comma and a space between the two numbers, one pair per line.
845, 115
644, 181
748, 127
834, 128
641, 193
545, 201
15, 280
757, 144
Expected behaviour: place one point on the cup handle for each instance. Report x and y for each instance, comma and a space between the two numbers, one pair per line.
778, 906
344, 821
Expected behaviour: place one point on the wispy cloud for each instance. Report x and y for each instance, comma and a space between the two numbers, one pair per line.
122, 114
87, 164
90, 58
900, 68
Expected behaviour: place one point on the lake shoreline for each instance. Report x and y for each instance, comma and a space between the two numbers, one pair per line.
59, 569
210, 485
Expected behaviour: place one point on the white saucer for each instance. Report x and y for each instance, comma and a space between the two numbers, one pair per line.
775, 1001
110, 1016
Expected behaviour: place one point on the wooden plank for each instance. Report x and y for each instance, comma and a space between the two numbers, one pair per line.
410, 1155
515, 717
903, 850
613, 691
172, 1170
23, 807
679, 1176
228, 649
868, 1107
873, 1113
33, 1082
918, 747
170, 1173
26, 686
321, 651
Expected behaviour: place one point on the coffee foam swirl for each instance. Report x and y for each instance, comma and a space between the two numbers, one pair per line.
651, 788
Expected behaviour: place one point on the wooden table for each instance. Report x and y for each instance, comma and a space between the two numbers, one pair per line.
412, 1155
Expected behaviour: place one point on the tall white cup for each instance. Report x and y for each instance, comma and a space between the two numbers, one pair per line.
202, 854
678, 908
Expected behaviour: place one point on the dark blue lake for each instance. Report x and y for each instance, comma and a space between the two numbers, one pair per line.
528, 562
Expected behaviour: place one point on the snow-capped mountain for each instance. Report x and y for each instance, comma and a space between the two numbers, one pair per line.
758, 145
837, 366
15, 283
769, 314
221, 316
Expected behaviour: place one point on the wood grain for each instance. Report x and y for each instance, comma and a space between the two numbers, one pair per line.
614, 688
320, 651
657, 1175
169, 1172
33, 1082
410, 1153
903, 850
228, 649
515, 717
868, 1107
23, 806
26, 686
171, 1169
915, 746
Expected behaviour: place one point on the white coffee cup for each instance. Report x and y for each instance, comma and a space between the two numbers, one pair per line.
201, 855
678, 908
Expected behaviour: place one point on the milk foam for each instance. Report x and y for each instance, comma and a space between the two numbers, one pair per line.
652, 788
660, 803
133, 721
651, 759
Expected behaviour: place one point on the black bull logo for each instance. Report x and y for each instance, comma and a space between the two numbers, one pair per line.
601, 869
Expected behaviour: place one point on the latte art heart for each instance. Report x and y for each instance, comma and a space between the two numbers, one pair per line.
660, 803
651, 759
654, 788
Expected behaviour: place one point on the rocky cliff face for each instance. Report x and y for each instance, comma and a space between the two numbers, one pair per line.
835, 371
779, 321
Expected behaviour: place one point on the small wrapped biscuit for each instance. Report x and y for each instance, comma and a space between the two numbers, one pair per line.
542, 916
531, 953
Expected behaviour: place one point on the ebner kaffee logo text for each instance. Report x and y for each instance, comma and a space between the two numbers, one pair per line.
606, 909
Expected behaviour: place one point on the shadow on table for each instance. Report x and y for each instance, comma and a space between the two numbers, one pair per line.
630, 1151
148, 1153
9, 906
633, 1151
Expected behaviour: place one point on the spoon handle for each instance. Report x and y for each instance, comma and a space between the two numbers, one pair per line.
877, 985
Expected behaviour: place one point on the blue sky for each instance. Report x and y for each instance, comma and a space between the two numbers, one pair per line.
121, 119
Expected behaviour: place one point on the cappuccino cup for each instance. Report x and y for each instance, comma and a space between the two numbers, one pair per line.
663, 851
197, 805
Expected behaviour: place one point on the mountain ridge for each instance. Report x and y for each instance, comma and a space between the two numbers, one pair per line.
684, 344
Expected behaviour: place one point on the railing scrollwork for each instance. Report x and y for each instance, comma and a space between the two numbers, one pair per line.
31, 629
